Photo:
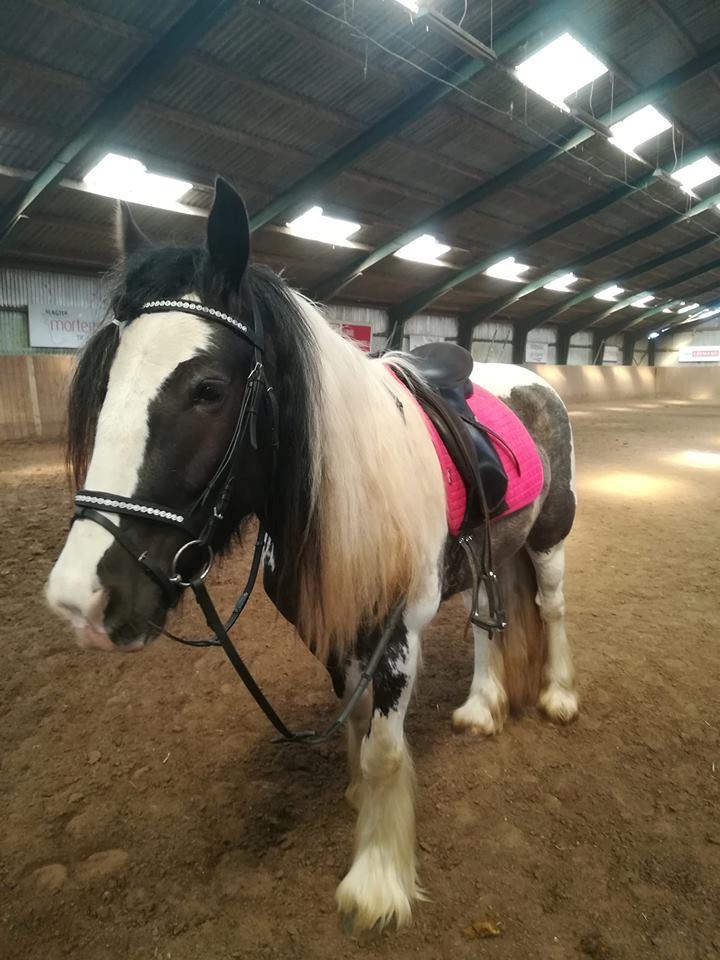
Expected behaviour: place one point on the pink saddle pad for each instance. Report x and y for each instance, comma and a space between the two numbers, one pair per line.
524, 469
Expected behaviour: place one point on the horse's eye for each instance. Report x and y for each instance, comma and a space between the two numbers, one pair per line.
209, 393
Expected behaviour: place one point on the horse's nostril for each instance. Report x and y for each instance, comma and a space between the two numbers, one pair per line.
96, 607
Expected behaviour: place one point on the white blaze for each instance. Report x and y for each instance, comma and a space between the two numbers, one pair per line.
150, 349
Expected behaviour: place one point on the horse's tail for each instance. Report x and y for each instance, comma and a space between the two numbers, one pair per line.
523, 642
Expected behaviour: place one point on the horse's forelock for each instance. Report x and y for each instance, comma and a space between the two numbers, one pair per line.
87, 392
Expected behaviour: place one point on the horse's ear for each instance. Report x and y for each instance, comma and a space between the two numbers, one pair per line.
228, 232
130, 237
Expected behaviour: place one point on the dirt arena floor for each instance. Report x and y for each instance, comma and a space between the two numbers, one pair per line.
145, 813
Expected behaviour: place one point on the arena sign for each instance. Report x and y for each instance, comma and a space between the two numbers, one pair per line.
704, 354
61, 326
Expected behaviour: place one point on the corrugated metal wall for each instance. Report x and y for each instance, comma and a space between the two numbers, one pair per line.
20, 286
492, 341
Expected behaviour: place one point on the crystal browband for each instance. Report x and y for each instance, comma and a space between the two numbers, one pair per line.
132, 508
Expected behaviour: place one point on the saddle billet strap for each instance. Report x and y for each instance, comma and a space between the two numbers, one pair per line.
496, 436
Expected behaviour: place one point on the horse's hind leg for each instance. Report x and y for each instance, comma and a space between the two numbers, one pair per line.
485, 709
558, 698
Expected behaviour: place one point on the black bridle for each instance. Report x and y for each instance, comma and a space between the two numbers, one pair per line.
200, 524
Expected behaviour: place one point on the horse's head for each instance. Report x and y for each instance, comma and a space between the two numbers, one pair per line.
154, 405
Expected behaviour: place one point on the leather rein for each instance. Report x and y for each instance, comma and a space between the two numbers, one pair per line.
203, 518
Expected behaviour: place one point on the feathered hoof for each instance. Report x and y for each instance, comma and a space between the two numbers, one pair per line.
372, 898
558, 703
482, 715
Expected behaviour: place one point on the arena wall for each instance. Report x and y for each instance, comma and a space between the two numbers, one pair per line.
33, 389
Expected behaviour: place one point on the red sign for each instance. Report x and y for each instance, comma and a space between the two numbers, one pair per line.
361, 333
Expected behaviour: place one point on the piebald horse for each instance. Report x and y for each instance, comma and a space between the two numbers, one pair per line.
353, 502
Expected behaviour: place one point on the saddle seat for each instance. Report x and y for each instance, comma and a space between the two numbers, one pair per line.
446, 367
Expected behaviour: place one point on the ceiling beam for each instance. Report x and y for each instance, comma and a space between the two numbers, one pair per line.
645, 267
496, 306
161, 57
231, 73
620, 326
681, 278
689, 324
332, 285
677, 27
228, 134
406, 113
408, 308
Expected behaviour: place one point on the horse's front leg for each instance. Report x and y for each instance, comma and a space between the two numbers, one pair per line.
381, 883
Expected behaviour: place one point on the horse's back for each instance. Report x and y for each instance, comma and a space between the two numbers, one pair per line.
502, 379
539, 406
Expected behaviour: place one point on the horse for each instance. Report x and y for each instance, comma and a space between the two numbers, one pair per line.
339, 468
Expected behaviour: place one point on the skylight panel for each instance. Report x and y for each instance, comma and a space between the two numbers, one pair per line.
314, 225
560, 69
688, 307
562, 284
424, 249
508, 269
693, 174
638, 128
609, 293
412, 5
642, 301
125, 178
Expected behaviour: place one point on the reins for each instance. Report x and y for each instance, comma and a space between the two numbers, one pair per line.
93, 505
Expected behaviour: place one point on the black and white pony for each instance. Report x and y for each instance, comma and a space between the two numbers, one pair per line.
355, 509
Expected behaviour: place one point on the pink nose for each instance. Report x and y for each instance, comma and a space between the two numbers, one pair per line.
93, 635
92, 638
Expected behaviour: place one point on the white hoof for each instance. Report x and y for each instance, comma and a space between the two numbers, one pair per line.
373, 895
559, 703
483, 714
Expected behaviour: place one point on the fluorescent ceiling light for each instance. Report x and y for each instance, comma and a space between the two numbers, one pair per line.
609, 293
559, 69
424, 249
508, 269
412, 5
693, 174
314, 225
642, 301
638, 128
688, 307
653, 335
667, 310
127, 179
561, 284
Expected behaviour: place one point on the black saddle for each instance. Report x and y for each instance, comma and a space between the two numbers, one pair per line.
446, 367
